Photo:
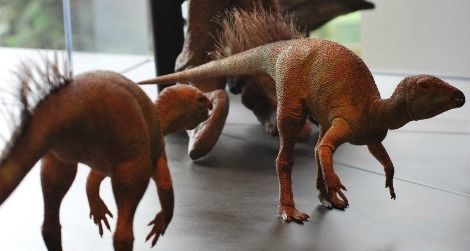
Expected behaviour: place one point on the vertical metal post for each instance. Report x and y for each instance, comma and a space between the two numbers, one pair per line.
68, 36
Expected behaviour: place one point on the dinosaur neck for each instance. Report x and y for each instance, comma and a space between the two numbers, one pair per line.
389, 113
170, 118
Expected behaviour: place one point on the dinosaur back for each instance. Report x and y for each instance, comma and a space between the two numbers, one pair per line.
243, 30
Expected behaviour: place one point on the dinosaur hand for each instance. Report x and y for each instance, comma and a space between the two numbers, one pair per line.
389, 184
334, 195
290, 213
98, 212
160, 223
389, 172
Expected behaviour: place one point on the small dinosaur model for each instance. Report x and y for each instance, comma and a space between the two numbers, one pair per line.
328, 82
98, 118
179, 108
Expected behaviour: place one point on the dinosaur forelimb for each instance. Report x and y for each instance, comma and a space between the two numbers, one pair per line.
165, 193
98, 209
379, 152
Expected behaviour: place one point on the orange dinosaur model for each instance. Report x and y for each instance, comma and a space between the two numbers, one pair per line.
103, 120
328, 82
180, 107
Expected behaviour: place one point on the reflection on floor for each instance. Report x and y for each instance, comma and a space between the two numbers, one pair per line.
227, 201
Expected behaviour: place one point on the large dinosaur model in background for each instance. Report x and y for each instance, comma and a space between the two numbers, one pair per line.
312, 14
328, 82
179, 108
257, 92
103, 120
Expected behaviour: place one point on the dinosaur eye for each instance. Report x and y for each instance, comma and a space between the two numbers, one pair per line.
201, 99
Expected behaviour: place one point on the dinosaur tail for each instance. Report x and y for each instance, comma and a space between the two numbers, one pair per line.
28, 143
18, 160
240, 46
244, 63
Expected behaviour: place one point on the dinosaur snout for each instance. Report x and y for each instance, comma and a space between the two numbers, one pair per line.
459, 99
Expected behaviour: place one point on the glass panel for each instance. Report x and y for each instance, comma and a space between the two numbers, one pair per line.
345, 30
112, 26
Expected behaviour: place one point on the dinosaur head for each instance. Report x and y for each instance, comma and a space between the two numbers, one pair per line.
427, 96
182, 107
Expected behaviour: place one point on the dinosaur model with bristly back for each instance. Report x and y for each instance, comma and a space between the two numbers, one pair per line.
101, 119
323, 80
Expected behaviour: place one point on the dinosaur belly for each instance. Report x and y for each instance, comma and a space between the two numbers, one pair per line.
366, 137
103, 154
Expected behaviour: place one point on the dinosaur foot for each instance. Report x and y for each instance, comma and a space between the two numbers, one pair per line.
289, 214
331, 195
270, 128
203, 138
98, 213
334, 200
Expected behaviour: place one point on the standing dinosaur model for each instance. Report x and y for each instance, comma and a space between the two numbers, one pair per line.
179, 108
103, 120
257, 92
323, 80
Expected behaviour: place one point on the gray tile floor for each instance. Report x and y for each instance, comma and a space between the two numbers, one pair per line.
227, 201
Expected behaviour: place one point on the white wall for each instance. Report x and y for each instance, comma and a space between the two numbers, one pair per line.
419, 36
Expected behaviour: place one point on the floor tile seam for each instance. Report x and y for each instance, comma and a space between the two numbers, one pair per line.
398, 131
407, 181
372, 172
243, 139
136, 65
432, 132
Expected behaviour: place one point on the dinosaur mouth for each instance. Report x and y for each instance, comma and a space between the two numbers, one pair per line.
459, 99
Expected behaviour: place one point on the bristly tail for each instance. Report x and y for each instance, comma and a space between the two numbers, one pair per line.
245, 63
240, 48
26, 145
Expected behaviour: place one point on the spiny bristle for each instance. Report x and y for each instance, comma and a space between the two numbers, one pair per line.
36, 81
242, 30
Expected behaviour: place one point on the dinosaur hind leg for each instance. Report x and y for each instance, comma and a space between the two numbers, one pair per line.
129, 182
289, 128
56, 179
322, 194
259, 95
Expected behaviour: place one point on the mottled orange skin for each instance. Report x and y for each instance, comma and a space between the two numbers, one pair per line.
107, 122
326, 81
